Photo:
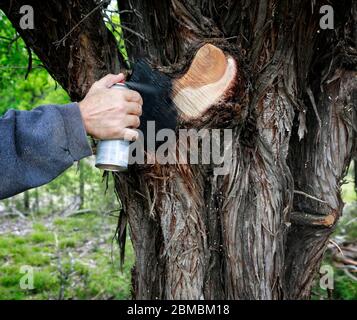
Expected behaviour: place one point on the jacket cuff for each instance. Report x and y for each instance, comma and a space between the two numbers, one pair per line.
78, 145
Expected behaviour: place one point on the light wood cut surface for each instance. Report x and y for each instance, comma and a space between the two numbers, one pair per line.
209, 77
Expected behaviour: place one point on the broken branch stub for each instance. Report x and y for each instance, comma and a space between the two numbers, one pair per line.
209, 80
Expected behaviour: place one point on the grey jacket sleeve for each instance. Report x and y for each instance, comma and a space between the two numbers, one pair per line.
36, 146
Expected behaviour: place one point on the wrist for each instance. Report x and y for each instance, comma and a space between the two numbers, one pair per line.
81, 107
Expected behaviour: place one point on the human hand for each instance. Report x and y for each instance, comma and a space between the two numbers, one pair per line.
111, 113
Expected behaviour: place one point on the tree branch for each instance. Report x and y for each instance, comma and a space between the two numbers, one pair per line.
58, 42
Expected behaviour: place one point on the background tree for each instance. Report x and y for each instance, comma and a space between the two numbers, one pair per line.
259, 232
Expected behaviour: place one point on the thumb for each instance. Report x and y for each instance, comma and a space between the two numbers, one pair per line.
110, 79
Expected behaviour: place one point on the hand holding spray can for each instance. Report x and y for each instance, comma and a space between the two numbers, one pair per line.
113, 155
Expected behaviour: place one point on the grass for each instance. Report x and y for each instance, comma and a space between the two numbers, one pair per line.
348, 191
72, 258
345, 288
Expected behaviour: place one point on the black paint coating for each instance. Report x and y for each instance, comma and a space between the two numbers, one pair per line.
156, 91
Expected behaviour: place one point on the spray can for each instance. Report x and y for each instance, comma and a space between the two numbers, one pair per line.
113, 155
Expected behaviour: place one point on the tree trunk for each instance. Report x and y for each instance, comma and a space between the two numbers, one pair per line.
26, 201
81, 184
259, 232
355, 177
37, 201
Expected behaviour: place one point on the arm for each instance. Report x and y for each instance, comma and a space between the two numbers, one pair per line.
36, 146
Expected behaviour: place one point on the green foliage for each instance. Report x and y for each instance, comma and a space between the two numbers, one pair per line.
73, 258
114, 25
345, 288
348, 188
16, 92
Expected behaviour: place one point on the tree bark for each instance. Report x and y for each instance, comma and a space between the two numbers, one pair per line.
259, 232
233, 237
81, 185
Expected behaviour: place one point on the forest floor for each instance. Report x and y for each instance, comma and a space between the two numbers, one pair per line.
73, 255
72, 258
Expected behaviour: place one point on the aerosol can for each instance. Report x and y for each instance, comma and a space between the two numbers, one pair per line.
113, 155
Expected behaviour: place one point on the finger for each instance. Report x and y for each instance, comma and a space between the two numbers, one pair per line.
133, 96
130, 135
134, 108
110, 79
131, 121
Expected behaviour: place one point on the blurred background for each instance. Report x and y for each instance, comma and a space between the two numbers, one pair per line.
66, 230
